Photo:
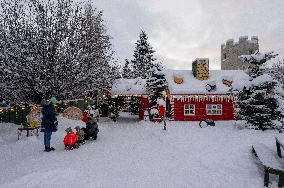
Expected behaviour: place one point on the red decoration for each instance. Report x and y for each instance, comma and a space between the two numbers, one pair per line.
144, 105
86, 117
161, 110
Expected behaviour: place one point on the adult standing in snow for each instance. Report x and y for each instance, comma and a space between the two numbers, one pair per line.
49, 122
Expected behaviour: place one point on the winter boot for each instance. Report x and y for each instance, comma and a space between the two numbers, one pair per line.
52, 148
47, 149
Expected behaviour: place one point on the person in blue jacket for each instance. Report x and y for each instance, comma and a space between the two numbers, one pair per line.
49, 122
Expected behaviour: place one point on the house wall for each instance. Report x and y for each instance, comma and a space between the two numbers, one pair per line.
200, 110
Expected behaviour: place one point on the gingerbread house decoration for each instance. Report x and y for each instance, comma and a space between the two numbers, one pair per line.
73, 113
34, 117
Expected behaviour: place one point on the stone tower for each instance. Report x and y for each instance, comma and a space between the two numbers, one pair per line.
231, 50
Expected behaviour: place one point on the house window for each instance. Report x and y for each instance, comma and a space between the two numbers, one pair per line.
189, 109
214, 109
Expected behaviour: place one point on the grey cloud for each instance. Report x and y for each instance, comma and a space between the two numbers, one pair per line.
182, 30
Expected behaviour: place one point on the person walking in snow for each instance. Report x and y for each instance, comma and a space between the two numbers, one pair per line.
49, 122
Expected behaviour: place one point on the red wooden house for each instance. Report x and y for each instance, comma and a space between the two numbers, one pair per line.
198, 94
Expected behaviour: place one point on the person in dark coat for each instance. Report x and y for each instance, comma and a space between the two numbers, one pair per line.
92, 129
49, 122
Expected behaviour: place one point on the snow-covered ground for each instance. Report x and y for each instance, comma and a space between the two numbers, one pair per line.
130, 153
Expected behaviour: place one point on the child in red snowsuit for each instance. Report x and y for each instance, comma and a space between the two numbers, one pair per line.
70, 140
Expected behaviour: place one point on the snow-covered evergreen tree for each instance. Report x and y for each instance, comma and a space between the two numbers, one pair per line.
277, 71
156, 84
53, 48
258, 103
144, 60
95, 68
16, 49
126, 71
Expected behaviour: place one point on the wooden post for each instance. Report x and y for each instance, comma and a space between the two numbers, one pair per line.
266, 177
278, 148
281, 180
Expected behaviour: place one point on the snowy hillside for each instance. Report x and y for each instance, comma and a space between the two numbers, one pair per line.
136, 154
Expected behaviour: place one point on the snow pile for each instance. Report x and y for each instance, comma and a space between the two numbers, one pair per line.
135, 86
138, 154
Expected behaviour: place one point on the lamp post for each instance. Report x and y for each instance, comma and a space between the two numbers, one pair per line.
164, 115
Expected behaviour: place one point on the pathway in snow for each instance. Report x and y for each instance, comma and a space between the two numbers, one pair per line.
129, 153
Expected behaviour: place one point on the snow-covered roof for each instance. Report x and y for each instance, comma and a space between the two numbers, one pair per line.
191, 85
135, 86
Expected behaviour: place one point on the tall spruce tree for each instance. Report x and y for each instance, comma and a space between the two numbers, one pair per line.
126, 71
258, 103
156, 84
144, 60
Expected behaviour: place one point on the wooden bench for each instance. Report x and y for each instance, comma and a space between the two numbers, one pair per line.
279, 145
20, 130
271, 162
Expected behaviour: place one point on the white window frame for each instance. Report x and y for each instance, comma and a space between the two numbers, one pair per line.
214, 109
187, 108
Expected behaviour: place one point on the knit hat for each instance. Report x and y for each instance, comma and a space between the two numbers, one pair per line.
54, 100
68, 130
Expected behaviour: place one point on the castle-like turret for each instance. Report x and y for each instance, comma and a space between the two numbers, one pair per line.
232, 50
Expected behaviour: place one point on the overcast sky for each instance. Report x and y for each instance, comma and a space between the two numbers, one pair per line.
182, 30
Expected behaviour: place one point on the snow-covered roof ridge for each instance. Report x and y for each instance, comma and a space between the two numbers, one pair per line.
202, 59
191, 85
136, 86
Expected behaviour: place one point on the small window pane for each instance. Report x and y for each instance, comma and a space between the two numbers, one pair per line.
189, 109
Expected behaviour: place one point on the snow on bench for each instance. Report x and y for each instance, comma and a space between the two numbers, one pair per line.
279, 144
268, 157
271, 162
